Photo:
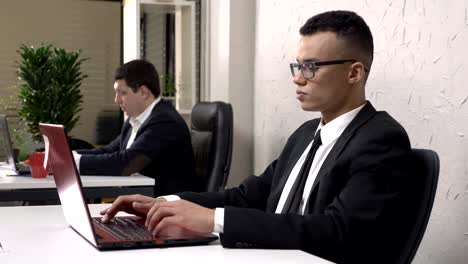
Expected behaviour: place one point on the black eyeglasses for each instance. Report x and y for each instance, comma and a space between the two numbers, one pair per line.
309, 68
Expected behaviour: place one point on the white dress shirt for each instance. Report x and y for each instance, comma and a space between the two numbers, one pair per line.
329, 133
135, 122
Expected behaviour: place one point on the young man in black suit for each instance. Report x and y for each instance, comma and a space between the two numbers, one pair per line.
154, 141
334, 190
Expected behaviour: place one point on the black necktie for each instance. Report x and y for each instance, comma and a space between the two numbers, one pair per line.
295, 195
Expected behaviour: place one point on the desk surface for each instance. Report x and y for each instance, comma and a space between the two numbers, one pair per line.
39, 234
27, 182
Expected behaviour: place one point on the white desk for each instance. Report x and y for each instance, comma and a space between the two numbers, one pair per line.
39, 234
26, 188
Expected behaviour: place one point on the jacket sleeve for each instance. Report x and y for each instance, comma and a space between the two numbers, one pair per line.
150, 143
253, 193
109, 148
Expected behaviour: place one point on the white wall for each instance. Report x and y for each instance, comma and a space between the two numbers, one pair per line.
418, 76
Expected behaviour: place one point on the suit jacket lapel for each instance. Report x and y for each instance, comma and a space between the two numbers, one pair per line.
148, 121
291, 160
126, 132
127, 128
366, 112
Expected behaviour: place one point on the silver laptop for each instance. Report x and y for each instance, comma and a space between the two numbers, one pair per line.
8, 164
122, 232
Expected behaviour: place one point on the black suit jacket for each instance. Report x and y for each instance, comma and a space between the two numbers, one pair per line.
352, 212
162, 150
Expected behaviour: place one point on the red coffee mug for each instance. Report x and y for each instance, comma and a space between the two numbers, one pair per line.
36, 163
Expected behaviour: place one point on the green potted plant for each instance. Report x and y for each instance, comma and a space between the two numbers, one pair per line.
168, 92
49, 82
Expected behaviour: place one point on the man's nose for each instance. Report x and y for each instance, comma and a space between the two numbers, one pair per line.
299, 79
117, 99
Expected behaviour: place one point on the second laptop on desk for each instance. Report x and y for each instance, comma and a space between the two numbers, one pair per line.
123, 232
10, 166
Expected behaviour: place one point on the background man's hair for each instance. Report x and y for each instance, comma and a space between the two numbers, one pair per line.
348, 26
137, 73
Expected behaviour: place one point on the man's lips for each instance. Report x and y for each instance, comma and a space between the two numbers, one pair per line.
300, 92
300, 95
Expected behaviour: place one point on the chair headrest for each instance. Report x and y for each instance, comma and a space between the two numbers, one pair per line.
204, 115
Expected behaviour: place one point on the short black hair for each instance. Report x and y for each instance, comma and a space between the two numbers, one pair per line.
137, 73
348, 26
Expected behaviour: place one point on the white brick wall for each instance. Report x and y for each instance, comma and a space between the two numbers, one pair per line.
419, 76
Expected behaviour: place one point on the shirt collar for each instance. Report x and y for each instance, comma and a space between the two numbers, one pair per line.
139, 120
333, 129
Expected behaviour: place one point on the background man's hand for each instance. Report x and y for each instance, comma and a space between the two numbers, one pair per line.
161, 216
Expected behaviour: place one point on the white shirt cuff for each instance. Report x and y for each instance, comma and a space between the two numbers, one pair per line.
170, 198
77, 158
219, 220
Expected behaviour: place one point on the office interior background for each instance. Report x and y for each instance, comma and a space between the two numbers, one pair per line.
243, 51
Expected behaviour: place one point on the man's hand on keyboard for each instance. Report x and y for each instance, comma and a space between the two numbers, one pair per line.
125, 203
161, 216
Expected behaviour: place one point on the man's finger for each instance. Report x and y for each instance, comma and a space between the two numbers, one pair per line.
116, 206
155, 206
164, 225
158, 216
142, 207
142, 199
103, 212
150, 213
108, 214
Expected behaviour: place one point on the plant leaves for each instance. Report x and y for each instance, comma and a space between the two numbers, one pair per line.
49, 80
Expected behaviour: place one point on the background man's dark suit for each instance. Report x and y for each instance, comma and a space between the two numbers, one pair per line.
352, 205
162, 150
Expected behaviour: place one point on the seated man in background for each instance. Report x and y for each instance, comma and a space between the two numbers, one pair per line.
154, 141
335, 189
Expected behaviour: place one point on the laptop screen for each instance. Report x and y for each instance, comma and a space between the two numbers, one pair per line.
75, 209
67, 179
6, 153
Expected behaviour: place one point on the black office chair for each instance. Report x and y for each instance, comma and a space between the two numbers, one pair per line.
211, 129
419, 198
76, 143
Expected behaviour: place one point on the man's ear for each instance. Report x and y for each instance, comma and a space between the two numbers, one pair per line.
144, 91
356, 73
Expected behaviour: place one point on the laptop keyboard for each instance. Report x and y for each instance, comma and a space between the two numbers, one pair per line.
125, 228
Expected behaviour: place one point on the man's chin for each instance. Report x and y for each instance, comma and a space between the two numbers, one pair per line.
127, 114
309, 107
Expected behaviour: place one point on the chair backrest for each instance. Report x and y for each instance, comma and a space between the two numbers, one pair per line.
76, 144
211, 130
419, 200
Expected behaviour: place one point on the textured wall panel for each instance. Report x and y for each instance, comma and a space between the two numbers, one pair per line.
419, 76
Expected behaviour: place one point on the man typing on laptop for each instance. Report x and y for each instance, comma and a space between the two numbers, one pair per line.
334, 190
154, 138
